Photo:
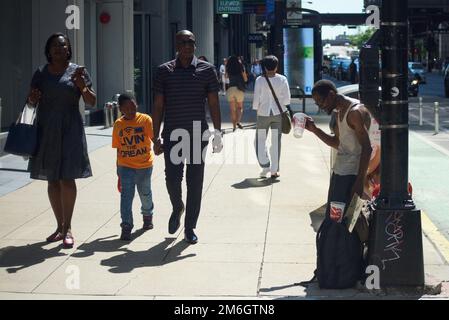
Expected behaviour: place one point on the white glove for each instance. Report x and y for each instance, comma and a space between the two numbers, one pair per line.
217, 142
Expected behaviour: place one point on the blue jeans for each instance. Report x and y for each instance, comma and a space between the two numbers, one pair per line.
130, 178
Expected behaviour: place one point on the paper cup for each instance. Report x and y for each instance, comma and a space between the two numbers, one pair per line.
299, 123
336, 211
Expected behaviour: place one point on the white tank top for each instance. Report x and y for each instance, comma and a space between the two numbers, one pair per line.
349, 150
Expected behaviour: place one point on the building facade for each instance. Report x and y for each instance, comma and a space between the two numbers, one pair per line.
121, 42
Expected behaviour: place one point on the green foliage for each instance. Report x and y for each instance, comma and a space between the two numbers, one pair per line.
359, 40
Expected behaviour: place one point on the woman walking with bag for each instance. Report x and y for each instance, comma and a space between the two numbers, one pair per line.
271, 96
236, 91
62, 156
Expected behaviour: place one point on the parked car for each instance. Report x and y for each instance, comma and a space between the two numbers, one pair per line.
446, 82
352, 90
417, 68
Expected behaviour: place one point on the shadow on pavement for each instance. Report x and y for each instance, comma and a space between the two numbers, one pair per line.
153, 257
255, 183
278, 287
18, 258
104, 245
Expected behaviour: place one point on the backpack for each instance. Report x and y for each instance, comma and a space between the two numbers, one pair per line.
339, 256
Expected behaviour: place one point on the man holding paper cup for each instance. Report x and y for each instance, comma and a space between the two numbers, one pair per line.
352, 142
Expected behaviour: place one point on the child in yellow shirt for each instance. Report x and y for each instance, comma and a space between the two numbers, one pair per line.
132, 137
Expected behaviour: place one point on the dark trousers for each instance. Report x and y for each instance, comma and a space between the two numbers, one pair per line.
340, 190
194, 177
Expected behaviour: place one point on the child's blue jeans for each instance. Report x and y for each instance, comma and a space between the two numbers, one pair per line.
130, 178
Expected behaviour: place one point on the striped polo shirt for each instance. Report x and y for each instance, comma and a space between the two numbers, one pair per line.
185, 91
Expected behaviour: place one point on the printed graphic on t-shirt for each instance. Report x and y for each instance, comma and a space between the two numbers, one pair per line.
132, 142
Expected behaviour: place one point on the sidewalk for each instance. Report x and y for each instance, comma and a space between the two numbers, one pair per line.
256, 238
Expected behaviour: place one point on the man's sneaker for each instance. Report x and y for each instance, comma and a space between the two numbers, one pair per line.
264, 172
190, 236
148, 222
126, 232
175, 220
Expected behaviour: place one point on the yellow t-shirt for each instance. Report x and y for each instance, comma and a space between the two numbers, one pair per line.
133, 139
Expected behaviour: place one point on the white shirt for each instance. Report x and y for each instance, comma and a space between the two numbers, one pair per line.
223, 74
263, 100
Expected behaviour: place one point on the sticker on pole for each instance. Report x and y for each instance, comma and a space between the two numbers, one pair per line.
394, 92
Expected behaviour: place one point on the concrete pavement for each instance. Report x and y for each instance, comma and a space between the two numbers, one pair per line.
256, 237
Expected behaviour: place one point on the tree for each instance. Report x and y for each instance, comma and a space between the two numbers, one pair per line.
360, 39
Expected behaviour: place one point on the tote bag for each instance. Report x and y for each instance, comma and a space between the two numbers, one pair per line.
22, 137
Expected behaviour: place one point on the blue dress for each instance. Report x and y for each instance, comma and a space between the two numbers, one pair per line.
62, 152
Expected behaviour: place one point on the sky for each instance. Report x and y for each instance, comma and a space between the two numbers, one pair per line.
335, 6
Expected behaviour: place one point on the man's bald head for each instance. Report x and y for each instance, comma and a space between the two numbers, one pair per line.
185, 33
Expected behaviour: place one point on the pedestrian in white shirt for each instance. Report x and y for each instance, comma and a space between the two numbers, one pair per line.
269, 116
224, 80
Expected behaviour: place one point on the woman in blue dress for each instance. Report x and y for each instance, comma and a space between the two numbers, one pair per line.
62, 155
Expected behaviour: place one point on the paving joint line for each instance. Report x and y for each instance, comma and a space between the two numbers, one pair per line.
259, 280
74, 251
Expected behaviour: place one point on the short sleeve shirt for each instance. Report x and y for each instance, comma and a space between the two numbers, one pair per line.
185, 91
132, 139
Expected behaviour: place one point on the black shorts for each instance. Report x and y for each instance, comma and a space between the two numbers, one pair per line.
340, 190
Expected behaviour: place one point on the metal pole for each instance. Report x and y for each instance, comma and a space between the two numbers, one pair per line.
394, 104
111, 114
278, 33
303, 101
437, 117
420, 111
395, 244
106, 116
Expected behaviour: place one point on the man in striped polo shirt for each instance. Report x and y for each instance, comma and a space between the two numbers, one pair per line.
181, 87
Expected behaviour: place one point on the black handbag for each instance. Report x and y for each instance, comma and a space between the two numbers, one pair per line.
286, 118
22, 139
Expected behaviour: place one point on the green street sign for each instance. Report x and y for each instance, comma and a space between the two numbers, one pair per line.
229, 6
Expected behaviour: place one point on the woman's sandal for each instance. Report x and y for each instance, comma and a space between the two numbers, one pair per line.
54, 237
68, 241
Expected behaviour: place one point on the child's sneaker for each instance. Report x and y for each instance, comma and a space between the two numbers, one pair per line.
264, 172
126, 232
148, 222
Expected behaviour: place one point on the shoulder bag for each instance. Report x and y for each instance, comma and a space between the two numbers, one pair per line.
286, 119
